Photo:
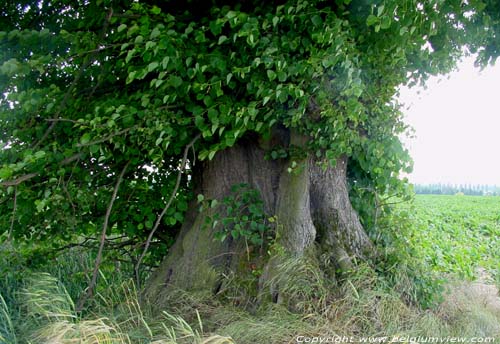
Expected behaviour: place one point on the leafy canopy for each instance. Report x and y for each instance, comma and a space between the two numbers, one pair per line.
89, 86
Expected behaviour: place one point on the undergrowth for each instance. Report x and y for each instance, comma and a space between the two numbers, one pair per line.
40, 309
400, 297
364, 304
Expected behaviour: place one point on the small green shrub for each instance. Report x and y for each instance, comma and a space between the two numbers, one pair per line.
239, 215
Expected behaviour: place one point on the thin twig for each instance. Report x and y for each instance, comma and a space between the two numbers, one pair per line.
62, 120
74, 121
93, 282
221, 255
73, 245
106, 138
70, 200
392, 203
172, 196
72, 158
13, 215
127, 16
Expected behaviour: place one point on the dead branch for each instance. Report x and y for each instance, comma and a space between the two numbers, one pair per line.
13, 215
170, 200
93, 282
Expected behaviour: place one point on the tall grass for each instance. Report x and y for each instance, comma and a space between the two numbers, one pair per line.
50, 317
364, 304
7, 332
40, 309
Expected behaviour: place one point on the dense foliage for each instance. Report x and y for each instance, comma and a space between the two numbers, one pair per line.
89, 87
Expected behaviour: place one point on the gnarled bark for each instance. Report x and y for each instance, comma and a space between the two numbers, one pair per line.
197, 261
296, 232
311, 205
340, 232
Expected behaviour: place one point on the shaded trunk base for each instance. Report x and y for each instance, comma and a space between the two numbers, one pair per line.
312, 215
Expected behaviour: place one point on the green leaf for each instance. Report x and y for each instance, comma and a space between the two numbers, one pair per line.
386, 22
371, 20
130, 55
182, 206
121, 27
139, 39
131, 76
316, 20
40, 155
85, 139
215, 27
176, 81
178, 216
156, 10
380, 10
152, 66
211, 154
222, 39
155, 33
271, 74
5, 173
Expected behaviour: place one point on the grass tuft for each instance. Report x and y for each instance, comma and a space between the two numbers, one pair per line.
7, 333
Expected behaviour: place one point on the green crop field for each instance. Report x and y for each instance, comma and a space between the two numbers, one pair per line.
456, 234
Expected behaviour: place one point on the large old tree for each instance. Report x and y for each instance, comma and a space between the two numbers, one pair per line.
224, 136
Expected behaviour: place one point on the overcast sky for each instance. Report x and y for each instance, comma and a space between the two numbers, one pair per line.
457, 126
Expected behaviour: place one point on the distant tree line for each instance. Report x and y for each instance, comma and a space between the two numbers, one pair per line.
452, 189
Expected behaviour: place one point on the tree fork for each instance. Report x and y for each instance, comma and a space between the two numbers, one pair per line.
311, 204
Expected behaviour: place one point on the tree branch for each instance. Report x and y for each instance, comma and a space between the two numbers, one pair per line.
19, 180
106, 138
28, 176
13, 215
72, 158
62, 120
93, 282
170, 200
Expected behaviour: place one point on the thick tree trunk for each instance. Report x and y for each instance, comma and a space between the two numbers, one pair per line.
197, 261
340, 233
311, 205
